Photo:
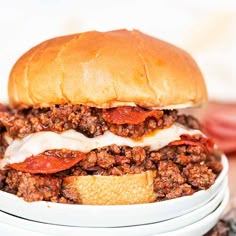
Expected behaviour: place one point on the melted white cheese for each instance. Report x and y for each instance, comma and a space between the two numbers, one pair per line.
36, 143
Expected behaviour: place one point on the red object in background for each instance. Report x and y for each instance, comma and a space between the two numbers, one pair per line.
219, 122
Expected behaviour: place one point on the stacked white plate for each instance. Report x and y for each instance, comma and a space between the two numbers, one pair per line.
190, 215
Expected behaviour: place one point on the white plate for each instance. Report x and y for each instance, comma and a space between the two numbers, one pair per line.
203, 226
110, 216
198, 228
148, 229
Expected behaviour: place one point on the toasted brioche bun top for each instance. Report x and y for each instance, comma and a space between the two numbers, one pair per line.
107, 69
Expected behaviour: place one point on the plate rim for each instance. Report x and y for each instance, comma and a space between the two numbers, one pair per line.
106, 231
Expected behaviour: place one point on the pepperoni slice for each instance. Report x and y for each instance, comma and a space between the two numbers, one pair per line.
129, 115
183, 142
205, 143
46, 163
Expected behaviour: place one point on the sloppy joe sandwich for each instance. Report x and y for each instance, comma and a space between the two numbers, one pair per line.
93, 118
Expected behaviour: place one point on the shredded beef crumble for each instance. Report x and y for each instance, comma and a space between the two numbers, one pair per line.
181, 170
3, 145
170, 182
199, 176
34, 187
174, 179
87, 120
189, 121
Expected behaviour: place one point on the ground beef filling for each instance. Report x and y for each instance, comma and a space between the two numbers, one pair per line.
181, 170
3, 145
176, 176
87, 120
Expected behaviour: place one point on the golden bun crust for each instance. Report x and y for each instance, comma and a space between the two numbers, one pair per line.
107, 69
112, 190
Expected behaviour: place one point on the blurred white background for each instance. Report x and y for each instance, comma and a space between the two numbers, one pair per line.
206, 29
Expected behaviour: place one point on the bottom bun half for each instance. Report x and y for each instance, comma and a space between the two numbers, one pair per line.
111, 190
